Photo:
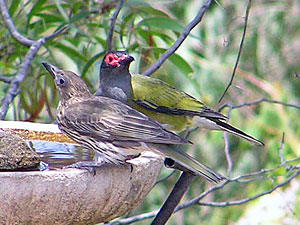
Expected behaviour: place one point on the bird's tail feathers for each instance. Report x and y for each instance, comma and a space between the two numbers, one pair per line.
230, 129
180, 160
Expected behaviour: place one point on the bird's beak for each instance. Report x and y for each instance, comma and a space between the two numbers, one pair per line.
129, 59
51, 69
125, 60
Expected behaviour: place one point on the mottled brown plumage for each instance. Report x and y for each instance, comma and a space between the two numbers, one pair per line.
116, 131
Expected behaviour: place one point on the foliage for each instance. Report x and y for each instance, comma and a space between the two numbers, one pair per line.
202, 66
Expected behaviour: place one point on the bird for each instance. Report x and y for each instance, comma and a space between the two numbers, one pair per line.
174, 109
116, 131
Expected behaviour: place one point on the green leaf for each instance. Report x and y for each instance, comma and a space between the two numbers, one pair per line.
13, 7
78, 17
49, 18
91, 62
152, 11
70, 52
161, 23
177, 60
37, 7
145, 35
101, 41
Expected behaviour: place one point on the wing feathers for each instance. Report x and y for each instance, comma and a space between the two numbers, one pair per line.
108, 119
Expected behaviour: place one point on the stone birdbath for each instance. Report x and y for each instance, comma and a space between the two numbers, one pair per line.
71, 196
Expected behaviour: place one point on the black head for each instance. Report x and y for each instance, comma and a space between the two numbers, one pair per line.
116, 59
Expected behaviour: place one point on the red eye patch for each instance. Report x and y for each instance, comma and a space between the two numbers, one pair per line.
112, 59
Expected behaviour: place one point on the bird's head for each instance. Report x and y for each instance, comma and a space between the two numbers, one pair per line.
69, 84
116, 59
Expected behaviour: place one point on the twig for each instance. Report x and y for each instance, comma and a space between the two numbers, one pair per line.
112, 25
6, 79
14, 85
176, 194
11, 27
243, 201
240, 50
227, 152
56, 33
172, 201
282, 160
258, 102
179, 41
238, 179
21, 74
134, 219
164, 178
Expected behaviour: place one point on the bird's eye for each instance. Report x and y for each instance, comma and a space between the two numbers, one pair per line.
61, 81
110, 58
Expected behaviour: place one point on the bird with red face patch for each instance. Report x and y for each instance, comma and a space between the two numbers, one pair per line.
173, 108
115, 131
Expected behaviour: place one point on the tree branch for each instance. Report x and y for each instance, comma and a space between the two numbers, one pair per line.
282, 160
112, 25
240, 50
243, 201
164, 178
227, 151
5, 79
56, 33
172, 201
179, 41
11, 27
256, 103
238, 179
13, 90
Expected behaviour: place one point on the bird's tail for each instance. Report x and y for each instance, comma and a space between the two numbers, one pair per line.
230, 129
179, 160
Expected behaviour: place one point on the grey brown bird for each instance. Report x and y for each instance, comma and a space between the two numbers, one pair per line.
161, 102
116, 131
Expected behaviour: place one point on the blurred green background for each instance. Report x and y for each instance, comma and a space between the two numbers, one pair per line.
202, 67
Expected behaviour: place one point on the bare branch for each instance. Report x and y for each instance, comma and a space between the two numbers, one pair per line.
55, 34
202, 195
243, 201
6, 79
13, 90
176, 194
227, 152
14, 85
133, 219
240, 50
258, 102
179, 41
11, 27
282, 160
173, 199
164, 178
239, 179
112, 25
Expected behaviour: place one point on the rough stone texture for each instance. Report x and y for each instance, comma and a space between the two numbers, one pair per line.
72, 196
15, 154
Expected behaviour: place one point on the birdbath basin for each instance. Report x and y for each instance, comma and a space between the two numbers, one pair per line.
72, 196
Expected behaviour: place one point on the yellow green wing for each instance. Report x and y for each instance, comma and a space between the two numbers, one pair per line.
162, 97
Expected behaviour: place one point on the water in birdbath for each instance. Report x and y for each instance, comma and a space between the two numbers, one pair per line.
57, 155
